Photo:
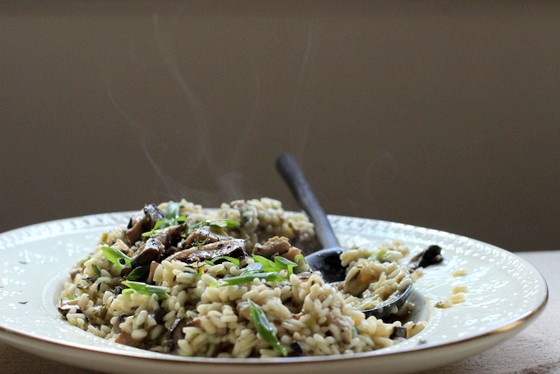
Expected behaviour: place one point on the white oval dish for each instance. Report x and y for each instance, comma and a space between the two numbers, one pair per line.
504, 294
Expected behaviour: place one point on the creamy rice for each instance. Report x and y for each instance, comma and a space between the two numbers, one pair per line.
141, 286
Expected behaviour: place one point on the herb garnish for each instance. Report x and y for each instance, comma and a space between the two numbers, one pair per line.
119, 259
247, 277
138, 273
265, 328
144, 289
173, 218
278, 264
218, 222
262, 268
96, 270
382, 254
162, 224
233, 260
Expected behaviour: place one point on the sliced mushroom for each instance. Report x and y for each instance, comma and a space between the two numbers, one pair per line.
233, 248
173, 235
97, 315
170, 239
148, 252
277, 246
64, 309
143, 221
297, 349
202, 235
127, 339
430, 256
175, 333
398, 332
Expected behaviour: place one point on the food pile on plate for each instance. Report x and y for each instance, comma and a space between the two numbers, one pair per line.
231, 282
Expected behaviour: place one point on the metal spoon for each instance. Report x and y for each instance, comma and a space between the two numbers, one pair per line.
327, 260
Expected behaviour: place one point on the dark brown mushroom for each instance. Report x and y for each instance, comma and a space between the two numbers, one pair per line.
297, 349
233, 248
97, 315
203, 236
277, 246
175, 333
398, 332
430, 256
64, 309
173, 235
171, 238
127, 339
143, 221
148, 252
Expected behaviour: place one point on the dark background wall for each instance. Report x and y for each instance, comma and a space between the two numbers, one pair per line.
438, 114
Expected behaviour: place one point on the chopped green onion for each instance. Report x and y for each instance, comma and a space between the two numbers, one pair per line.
144, 289
115, 256
262, 268
280, 263
268, 265
233, 260
300, 258
162, 224
219, 222
171, 218
285, 263
154, 229
138, 273
254, 267
96, 269
380, 256
265, 328
226, 223
249, 277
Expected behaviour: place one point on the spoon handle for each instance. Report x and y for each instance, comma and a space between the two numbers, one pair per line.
294, 177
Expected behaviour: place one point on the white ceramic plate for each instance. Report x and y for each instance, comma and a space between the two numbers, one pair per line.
504, 295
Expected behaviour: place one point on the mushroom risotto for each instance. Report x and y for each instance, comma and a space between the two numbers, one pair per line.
231, 282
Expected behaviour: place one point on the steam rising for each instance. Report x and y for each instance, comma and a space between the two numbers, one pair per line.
192, 156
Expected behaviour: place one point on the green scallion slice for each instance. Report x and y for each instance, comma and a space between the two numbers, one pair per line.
138, 273
145, 289
249, 277
96, 269
265, 328
119, 259
233, 260
219, 222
